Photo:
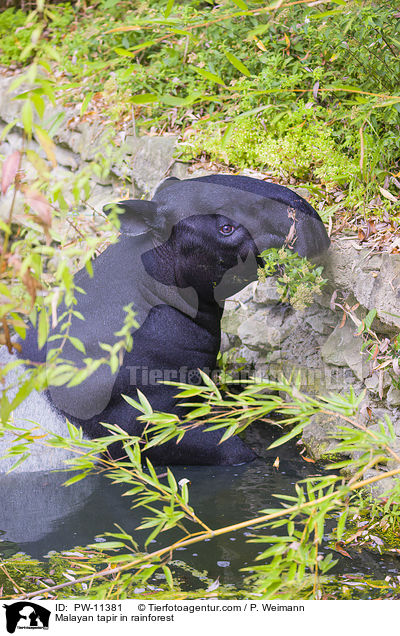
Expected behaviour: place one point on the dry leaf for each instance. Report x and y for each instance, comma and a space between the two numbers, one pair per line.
259, 44
332, 303
388, 195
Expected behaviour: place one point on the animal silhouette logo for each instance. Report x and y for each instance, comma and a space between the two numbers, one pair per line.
26, 615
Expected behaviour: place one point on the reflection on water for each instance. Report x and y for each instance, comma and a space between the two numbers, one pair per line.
38, 514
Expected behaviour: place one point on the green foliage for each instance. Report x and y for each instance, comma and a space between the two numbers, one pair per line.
298, 281
39, 253
14, 35
307, 153
20, 34
305, 91
293, 564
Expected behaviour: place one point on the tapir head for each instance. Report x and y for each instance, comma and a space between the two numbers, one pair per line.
214, 228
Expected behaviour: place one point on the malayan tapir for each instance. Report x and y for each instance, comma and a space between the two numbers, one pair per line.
178, 257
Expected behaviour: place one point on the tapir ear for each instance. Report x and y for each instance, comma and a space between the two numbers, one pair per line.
137, 217
164, 184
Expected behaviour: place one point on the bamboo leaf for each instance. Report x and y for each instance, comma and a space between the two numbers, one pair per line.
209, 76
47, 144
169, 7
144, 98
238, 64
85, 102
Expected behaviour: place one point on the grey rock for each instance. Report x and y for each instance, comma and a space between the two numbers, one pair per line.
383, 486
266, 293
264, 330
393, 396
232, 318
180, 170
319, 322
342, 348
374, 280
152, 159
318, 436
67, 158
9, 107
372, 383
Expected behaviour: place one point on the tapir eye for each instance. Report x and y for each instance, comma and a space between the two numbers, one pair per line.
226, 229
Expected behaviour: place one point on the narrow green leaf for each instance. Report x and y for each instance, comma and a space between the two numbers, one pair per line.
144, 98
238, 64
241, 4
168, 576
168, 9
85, 102
341, 524
43, 328
285, 438
209, 76
38, 103
369, 318
75, 478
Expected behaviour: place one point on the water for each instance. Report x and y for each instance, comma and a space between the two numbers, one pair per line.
38, 514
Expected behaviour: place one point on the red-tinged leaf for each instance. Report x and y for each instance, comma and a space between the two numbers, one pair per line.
341, 550
308, 459
40, 205
360, 329
375, 353
10, 169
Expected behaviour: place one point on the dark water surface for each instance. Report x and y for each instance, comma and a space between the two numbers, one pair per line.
38, 514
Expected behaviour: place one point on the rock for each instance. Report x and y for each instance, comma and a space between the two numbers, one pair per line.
372, 383
152, 159
317, 436
264, 330
9, 107
67, 158
233, 317
342, 348
302, 192
243, 297
393, 396
180, 170
266, 293
374, 280
319, 322
379, 488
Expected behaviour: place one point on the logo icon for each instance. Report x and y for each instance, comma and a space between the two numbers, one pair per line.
26, 615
